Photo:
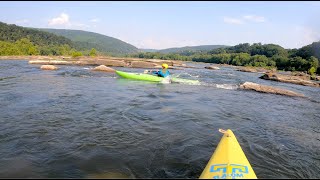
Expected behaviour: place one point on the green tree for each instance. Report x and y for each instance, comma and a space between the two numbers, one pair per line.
8, 49
240, 59
313, 62
33, 50
93, 52
281, 61
259, 61
297, 64
65, 49
76, 54
26, 47
312, 71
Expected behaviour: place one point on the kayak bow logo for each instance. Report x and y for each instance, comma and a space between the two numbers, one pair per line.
237, 170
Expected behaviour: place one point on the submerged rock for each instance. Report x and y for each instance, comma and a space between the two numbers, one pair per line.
48, 67
268, 89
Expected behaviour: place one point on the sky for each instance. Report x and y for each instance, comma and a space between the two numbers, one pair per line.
167, 24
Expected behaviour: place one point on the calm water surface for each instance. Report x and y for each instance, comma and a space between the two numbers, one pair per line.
77, 123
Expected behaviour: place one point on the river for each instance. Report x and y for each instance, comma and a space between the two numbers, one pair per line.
79, 123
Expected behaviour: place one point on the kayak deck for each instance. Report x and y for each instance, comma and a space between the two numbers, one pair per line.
228, 161
139, 76
148, 77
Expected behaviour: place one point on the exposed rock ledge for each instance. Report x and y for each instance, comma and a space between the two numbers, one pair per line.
102, 60
268, 89
289, 79
254, 69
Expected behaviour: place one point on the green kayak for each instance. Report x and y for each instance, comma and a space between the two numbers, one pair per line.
148, 77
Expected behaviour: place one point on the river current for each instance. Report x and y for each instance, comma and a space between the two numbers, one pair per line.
79, 123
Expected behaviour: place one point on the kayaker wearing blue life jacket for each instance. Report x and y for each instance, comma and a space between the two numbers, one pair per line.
162, 73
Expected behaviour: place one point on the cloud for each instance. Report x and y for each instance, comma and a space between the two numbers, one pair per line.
63, 19
254, 18
232, 20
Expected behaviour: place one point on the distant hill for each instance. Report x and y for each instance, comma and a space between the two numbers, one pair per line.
12, 33
148, 50
310, 50
179, 50
102, 43
192, 49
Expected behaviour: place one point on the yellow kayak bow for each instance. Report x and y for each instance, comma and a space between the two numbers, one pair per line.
228, 160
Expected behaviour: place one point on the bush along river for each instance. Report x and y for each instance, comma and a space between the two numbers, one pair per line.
79, 123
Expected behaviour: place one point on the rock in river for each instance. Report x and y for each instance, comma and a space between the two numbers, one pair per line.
268, 89
48, 67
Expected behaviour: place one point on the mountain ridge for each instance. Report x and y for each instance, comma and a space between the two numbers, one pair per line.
199, 48
98, 41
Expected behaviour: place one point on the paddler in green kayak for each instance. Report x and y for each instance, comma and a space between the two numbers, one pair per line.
162, 73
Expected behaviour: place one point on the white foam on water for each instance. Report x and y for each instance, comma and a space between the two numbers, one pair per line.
185, 74
222, 86
166, 80
227, 86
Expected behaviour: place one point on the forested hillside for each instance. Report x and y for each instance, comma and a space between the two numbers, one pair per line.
58, 42
17, 40
185, 50
188, 49
309, 50
102, 43
257, 54
13, 33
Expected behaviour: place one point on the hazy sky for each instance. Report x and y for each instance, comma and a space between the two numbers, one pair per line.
166, 24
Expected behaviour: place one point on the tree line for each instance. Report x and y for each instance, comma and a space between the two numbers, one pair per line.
24, 46
16, 40
256, 55
13, 33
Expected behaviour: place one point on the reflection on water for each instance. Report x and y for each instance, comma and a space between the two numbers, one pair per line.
75, 122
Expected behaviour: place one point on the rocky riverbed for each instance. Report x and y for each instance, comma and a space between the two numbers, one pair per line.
104, 63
